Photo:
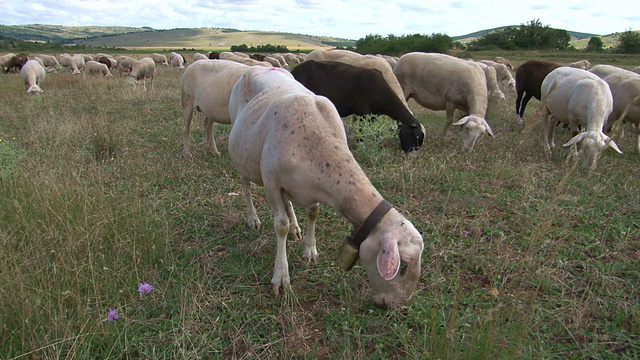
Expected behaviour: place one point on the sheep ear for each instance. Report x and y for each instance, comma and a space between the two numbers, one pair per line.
388, 259
613, 145
576, 139
486, 125
462, 121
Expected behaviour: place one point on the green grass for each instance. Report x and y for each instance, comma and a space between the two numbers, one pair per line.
525, 257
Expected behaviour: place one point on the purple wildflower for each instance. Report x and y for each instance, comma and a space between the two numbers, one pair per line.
112, 315
144, 288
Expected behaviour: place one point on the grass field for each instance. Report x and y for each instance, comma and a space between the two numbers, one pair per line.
525, 257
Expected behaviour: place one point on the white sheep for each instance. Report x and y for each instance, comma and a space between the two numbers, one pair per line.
293, 143
206, 86
33, 73
4, 59
144, 69
94, 67
50, 62
199, 56
582, 64
577, 97
505, 79
77, 63
443, 82
492, 80
159, 59
125, 63
177, 61
625, 88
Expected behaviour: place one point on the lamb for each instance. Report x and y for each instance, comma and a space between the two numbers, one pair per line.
577, 97
443, 82
33, 73
353, 58
529, 77
306, 160
94, 67
206, 86
144, 69
625, 88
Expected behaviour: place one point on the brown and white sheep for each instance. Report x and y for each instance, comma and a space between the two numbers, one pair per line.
293, 143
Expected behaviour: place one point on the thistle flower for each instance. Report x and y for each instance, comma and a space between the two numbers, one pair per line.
144, 288
112, 315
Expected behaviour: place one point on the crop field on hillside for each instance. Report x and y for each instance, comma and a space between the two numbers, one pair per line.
525, 256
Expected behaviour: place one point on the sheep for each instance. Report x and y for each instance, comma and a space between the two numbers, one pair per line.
582, 64
4, 59
273, 61
577, 97
353, 58
33, 73
94, 67
505, 79
125, 63
636, 69
625, 88
177, 61
206, 86
199, 56
293, 143
159, 59
529, 77
77, 63
50, 62
214, 55
16, 62
492, 80
503, 61
443, 82
144, 69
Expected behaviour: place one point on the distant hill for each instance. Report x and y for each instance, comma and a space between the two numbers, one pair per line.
62, 34
478, 34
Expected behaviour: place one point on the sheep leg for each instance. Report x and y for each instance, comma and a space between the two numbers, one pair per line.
310, 253
252, 216
208, 130
449, 111
549, 125
281, 225
294, 228
637, 131
187, 115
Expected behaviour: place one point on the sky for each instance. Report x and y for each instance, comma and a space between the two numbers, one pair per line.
344, 19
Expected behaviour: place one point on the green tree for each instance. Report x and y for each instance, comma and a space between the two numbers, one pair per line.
532, 36
595, 44
629, 42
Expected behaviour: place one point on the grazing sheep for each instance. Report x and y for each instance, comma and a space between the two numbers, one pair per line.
582, 64
125, 63
16, 62
443, 82
214, 55
529, 77
77, 63
273, 61
198, 56
4, 59
177, 61
577, 97
360, 91
353, 58
144, 69
33, 73
94, 67
503, 61
293, 143
50, 62
159, 59
625, 88
206, 86
505, 79
492, 80
105, 60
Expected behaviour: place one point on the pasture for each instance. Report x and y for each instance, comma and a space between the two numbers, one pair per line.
525, 256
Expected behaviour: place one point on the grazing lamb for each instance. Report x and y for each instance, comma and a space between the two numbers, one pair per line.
353, 58
360, 91
33, 73
625, 88
443, 82
16, 62
529, 77
505, 79
206, 86
159, 59
577, 97
144, 69
582, 64
94, 67
293, 143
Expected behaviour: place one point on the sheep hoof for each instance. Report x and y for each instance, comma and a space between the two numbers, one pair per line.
253, 223
295, 231
310, 256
